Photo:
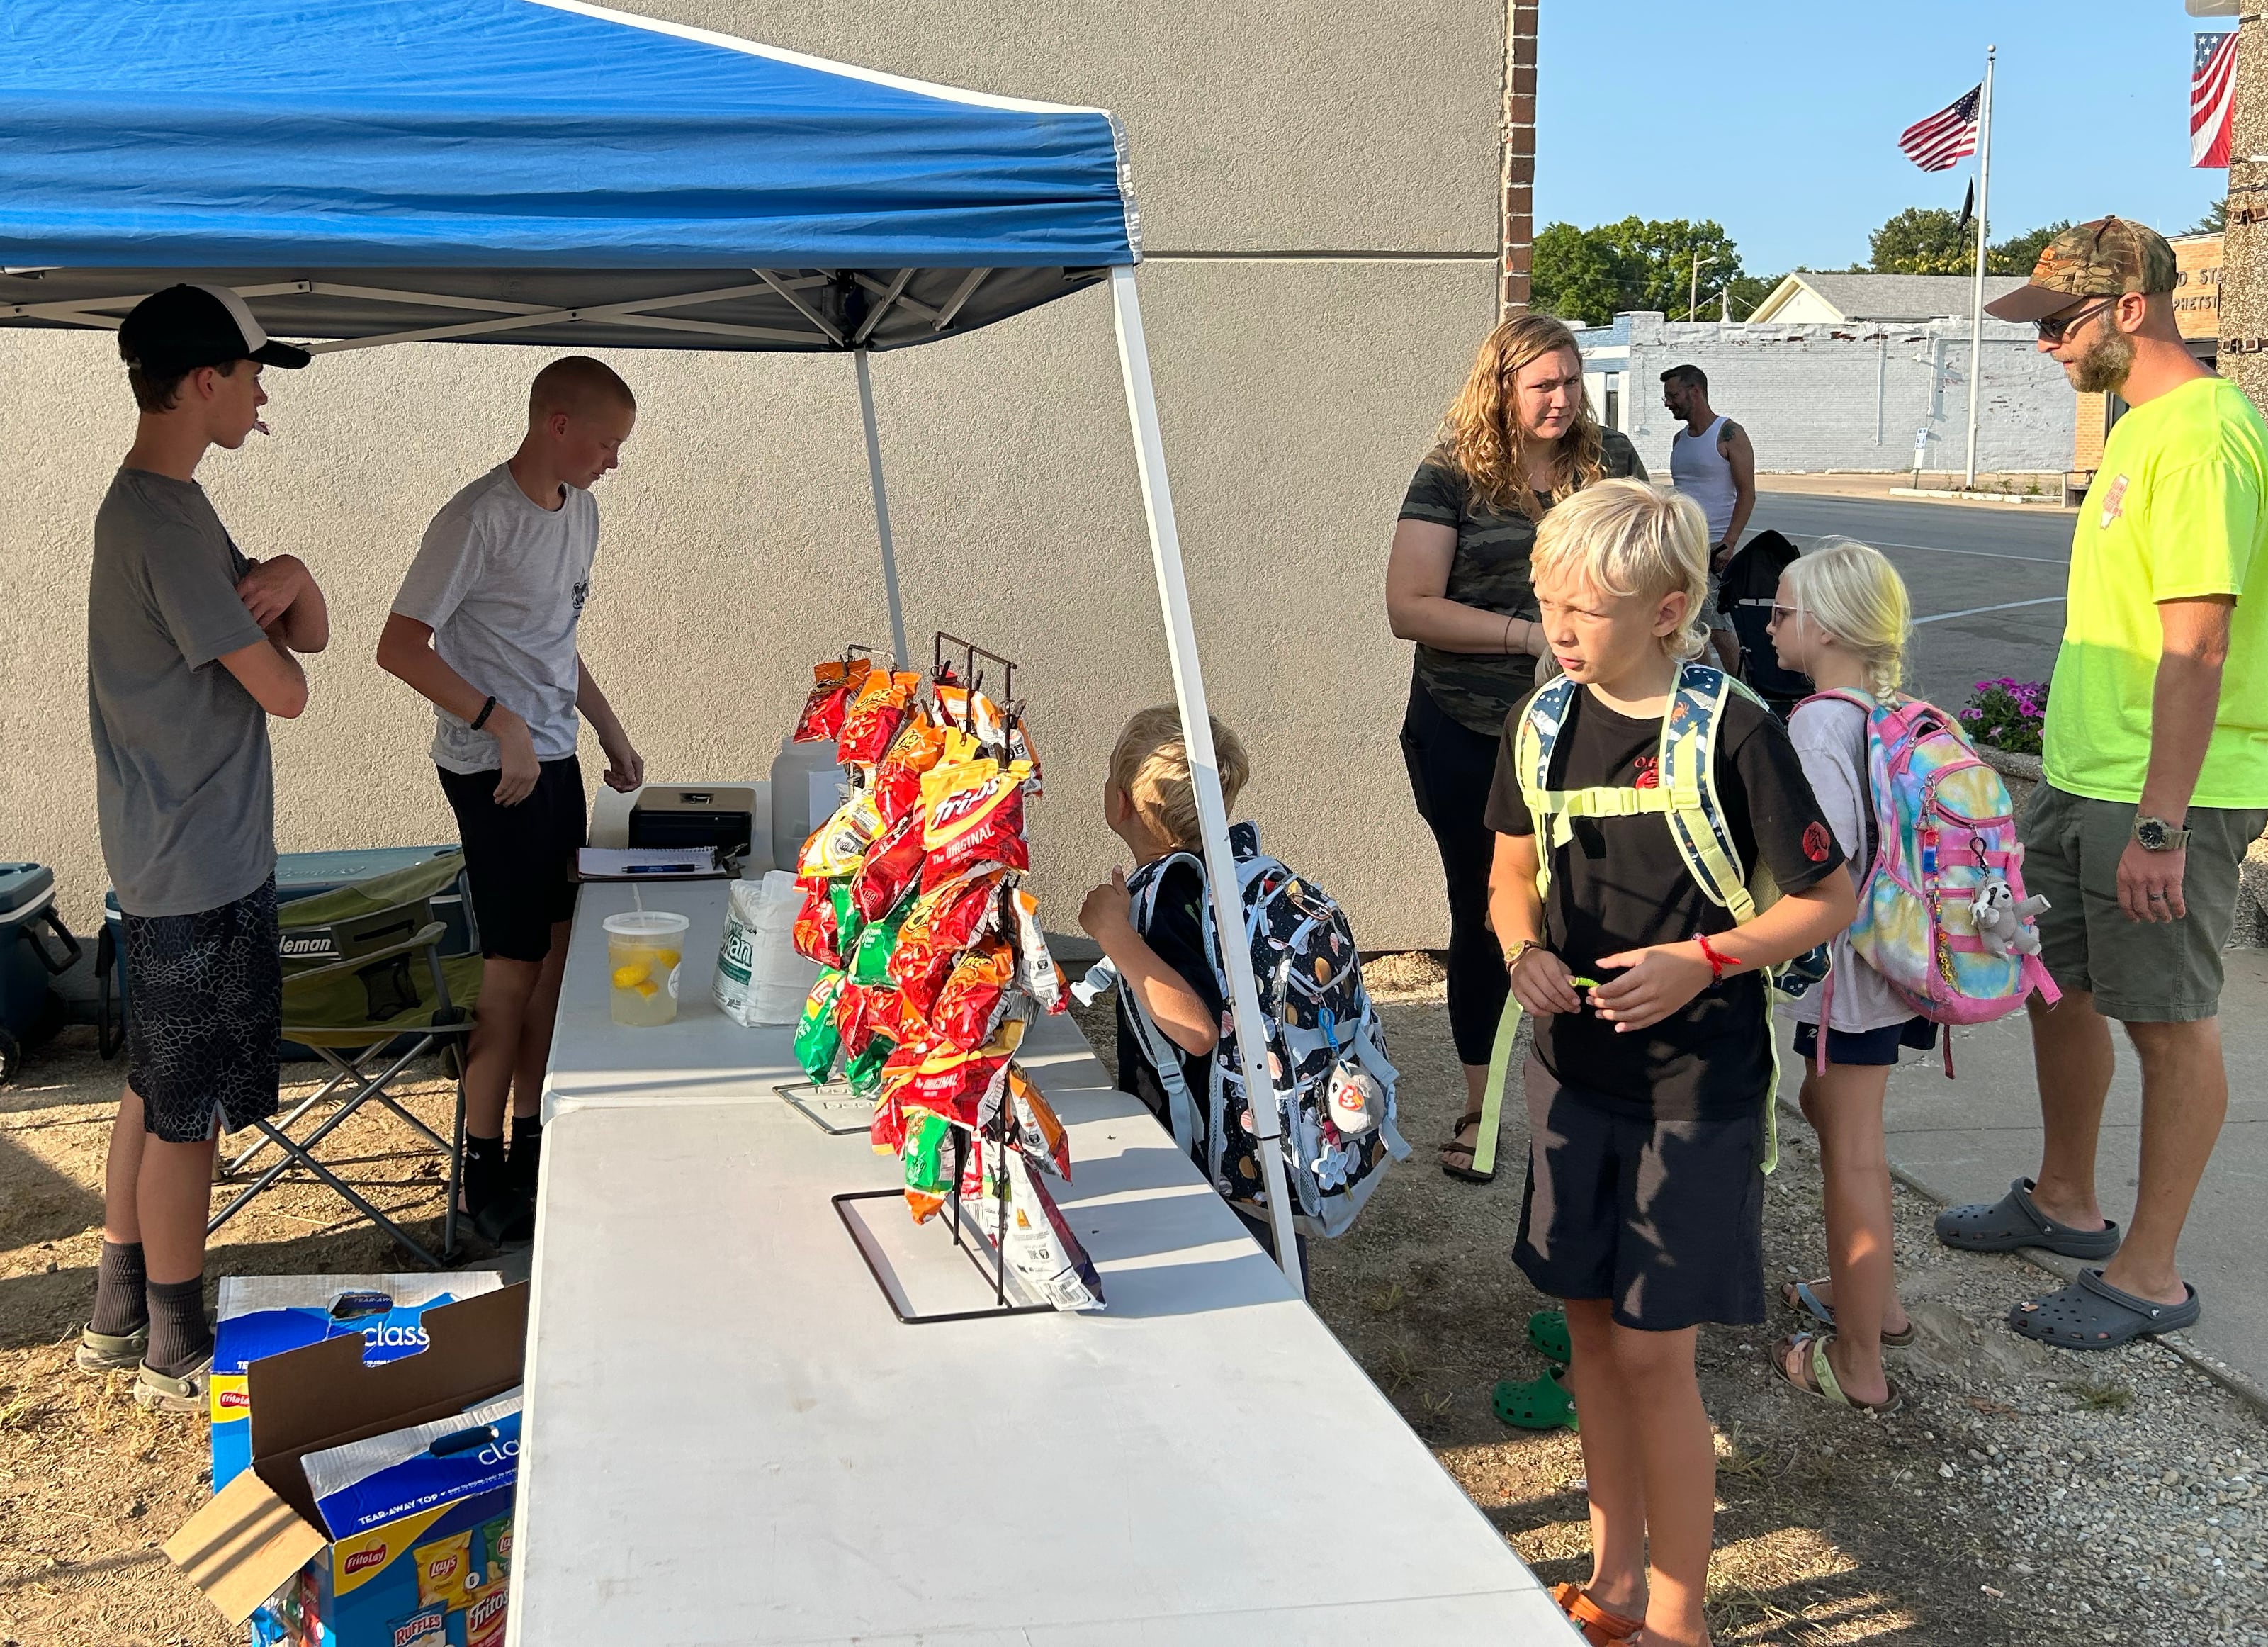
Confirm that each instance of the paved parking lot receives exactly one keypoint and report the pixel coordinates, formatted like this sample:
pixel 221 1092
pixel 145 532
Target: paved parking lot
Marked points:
pixel 1987 581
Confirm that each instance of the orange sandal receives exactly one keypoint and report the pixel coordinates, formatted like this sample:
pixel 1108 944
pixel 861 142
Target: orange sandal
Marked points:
pixel 1599 1626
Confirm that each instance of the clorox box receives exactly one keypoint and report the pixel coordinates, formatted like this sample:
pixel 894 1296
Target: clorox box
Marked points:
pixel 266 1315
pixel 377 1509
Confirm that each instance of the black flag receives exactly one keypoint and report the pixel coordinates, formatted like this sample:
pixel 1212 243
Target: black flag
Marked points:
pixel 1968 205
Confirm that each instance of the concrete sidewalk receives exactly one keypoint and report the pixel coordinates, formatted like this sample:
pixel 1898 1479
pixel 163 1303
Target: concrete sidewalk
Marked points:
pixel 1963 1140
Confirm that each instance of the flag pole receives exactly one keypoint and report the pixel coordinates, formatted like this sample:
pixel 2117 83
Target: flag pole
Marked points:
pixel 1976 302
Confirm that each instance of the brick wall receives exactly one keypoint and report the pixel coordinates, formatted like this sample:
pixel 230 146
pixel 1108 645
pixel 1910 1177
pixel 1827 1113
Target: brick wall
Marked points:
pixel 1519 152
pixel 1808 395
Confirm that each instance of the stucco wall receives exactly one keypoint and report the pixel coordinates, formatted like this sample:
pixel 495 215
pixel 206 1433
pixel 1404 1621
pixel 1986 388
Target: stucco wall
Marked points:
pixel 1290 160
pixel 1808 395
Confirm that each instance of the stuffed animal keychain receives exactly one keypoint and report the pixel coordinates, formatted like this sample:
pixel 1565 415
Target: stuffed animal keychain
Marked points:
pixel 2002 922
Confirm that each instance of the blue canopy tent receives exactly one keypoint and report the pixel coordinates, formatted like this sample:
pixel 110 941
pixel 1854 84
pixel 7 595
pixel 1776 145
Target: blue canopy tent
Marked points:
pixel 370 172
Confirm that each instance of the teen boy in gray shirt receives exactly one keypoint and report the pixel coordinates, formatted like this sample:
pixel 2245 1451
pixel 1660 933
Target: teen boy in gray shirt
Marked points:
pixel 484 628
pixel 189 650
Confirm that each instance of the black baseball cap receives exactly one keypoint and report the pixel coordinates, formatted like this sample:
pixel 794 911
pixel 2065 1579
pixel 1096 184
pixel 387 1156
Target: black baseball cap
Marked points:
pixel 185 327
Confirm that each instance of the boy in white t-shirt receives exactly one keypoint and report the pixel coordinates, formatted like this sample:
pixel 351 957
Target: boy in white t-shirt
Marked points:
pixel 484 628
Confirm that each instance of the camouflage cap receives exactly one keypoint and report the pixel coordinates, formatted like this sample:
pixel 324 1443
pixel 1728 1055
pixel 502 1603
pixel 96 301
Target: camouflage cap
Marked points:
pixel 2102 259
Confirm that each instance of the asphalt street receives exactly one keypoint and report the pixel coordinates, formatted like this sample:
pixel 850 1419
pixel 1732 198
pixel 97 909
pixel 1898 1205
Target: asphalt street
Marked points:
pixel 1987 580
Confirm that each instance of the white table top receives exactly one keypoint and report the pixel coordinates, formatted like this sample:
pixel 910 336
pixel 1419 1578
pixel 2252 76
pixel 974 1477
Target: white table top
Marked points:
pixel 732 1438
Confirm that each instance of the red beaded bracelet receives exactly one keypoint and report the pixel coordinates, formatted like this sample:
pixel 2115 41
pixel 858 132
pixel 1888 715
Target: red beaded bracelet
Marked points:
pixel 1717 961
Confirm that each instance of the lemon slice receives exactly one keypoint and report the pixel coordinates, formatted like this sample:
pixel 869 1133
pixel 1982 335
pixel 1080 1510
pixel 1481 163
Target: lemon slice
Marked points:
pixel 630 977
pixel 647 988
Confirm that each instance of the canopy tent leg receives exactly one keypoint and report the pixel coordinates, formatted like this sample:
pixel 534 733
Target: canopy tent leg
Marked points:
pixel 882 512
pixel 1204 771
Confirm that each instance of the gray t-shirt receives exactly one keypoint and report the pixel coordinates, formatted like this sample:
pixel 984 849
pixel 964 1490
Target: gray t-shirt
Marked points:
pixel 1830 741
pixel 501 581
pixel 184 790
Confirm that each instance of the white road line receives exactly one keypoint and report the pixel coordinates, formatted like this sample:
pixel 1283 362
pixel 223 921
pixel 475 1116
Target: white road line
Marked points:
pixel 1981 554
pixel 2005 606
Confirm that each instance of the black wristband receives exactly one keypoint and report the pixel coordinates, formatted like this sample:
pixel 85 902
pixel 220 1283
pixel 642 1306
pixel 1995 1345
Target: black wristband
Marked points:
pixel 482 719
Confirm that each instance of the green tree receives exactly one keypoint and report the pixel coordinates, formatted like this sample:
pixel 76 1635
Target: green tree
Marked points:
pixel 2017 254
pixel 1592 274
pixel 1923 241
pixel 1577 275
pixel 2215 220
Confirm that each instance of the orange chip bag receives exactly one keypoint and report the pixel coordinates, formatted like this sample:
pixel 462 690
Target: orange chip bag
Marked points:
pixel 834 683
pixel 974 997
pixel 873 719
pixel 974 815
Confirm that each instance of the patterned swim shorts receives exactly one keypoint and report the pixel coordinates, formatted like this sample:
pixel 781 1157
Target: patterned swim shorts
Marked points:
pixel 207 1013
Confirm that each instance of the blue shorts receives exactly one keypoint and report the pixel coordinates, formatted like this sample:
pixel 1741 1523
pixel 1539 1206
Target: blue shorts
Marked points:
pixel 1865 1047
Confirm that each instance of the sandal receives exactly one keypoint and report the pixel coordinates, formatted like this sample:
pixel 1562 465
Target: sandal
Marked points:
pixel 100 1352
pixel 1455 1145
pixel 1540 1403
pixel 2093 1314
pixel 2014 1222
pixel 1800 1295
pixel 1595 1625
pixel 1547 1330
pixel 1817 1377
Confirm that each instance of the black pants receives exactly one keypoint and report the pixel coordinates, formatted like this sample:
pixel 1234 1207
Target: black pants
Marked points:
pixel 1451 770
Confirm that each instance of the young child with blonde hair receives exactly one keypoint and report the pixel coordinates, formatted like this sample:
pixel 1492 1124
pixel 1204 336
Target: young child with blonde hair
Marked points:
pixel 1647 1089
pixel 1842 618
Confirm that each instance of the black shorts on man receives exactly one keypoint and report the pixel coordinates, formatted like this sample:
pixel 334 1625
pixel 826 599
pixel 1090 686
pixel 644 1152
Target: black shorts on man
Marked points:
pixel 520 860
pixel 207 1015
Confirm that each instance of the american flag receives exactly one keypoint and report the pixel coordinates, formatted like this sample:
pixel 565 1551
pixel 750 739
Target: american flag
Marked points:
pixel 2213 99
pixel 1950 135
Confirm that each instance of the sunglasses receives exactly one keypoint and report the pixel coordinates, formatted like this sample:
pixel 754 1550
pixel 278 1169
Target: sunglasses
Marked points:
pixel 2056 327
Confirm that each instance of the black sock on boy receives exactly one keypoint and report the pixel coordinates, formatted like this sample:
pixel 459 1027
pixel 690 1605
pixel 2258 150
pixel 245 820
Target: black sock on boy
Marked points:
pixel 484 1170
pixel 526 1151
pixel 120 1307
pixel 180 1336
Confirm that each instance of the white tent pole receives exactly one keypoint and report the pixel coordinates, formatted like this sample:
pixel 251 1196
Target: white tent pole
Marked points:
pixel 1197 735
pixel 881 510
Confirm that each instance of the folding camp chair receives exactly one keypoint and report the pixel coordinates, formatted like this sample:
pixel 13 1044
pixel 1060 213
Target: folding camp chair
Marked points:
pixel 364 985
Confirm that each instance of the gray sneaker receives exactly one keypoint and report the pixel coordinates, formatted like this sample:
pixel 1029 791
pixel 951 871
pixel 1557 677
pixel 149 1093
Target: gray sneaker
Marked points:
pixel 168 1394
pixel 104 1352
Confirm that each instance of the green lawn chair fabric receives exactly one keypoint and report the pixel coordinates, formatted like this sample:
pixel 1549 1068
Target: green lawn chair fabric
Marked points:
pixel 390 890
pixel 335 1009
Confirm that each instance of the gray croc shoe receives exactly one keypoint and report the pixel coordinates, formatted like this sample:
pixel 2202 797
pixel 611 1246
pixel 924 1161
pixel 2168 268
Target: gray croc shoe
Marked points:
pixel 2093 1314
pixel 104 1352
pixel 169 1394
pixel 2014 1222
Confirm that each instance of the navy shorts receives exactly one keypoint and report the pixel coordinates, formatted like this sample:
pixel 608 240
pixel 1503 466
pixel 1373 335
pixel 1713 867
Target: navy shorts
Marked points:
pixel 207 1014
pixel 520 860
pixel 1663 1219
pixel 1865 1047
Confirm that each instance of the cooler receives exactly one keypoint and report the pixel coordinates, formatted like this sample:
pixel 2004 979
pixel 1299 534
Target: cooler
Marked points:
pixel 29 958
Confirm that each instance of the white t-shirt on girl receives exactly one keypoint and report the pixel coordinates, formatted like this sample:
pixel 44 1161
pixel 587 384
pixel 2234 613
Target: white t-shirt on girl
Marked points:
pixel 1830 741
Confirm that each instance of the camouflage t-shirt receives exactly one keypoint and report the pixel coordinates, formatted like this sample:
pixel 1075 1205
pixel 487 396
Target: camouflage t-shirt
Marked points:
pixel 1490 572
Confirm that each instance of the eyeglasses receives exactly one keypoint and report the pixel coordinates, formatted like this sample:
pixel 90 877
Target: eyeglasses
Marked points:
pixel 2055 329
pixel 1786 614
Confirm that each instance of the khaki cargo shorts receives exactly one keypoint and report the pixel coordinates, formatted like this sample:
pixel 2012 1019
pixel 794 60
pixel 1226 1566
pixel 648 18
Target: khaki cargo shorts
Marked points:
pixel 2138 972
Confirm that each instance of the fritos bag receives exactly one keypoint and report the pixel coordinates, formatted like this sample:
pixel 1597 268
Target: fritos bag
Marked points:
pixel 892 866
pixel 834 683
pixel 975 814
pixel 873 717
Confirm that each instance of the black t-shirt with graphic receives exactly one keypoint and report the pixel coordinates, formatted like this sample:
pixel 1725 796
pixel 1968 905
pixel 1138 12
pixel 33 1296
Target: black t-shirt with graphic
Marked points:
pixel 1620 883
pixel 1177 933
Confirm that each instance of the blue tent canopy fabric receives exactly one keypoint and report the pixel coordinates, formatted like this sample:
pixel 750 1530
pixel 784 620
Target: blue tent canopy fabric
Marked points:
pixel 515 159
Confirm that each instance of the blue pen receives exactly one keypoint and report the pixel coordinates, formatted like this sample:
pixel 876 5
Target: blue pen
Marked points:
pixel 659 868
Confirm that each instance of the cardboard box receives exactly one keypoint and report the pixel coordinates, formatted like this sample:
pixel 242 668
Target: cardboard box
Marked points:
pixel 261 1548
pixel 266 1315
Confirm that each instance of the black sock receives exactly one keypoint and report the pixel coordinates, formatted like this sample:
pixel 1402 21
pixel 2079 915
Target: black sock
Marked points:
pixel 483 1170
pixel 180 1336
pixel 526 1151
pixel 120 1308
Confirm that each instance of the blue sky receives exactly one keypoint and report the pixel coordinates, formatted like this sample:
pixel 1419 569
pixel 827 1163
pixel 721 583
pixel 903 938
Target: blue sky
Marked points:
pixel 1780 119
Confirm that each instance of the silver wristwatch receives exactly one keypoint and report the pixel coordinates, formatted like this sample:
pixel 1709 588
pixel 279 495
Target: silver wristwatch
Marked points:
pixel 2157 835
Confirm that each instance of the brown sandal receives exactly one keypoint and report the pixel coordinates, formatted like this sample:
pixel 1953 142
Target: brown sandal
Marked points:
pixel 1598 1627
pixel 1454 1145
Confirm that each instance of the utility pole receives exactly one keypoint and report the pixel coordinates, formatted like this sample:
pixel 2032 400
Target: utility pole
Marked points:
pixel 1976 304
pixel 1693 287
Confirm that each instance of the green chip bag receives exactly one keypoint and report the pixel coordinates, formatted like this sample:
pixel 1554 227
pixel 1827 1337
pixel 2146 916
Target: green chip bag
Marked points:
pixel 817 1040
pixel 870 963
pixel 848 925
pixel 928 1161
pixel 865 1072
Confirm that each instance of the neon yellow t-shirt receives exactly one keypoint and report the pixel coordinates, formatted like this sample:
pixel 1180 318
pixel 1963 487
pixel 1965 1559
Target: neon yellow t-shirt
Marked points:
pixel 2179 509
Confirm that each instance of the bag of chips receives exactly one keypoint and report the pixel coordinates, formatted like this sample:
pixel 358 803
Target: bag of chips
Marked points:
pixel 974 815
pixel 1020 749
pixel 918 747
pixel 945 921
pixel 838 846
pixel 892 867
pixel 928 1156
pixel 1033 1122
pixel 877 941
pixel 834 683
pixel 817 1041
pixel 863 1072
pixel 1037 975
pixel 818 924
pixel 974 997
pixel 886 1132
pixel 873 716
pixel 1042 1249
pixel 945 1080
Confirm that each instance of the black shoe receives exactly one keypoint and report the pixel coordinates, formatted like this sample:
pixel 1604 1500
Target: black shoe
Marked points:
pixel 507 1218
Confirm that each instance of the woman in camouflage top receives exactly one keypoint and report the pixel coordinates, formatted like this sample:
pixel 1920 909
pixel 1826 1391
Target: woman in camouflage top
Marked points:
pixel 1518 439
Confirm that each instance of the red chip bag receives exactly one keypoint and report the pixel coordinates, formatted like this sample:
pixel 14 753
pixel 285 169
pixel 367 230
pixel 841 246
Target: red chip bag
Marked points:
pixel 919 744
pixel 817 936
pixel 886 1132
pixel 873 717
pixel 892 864
pixel 834 683
pixel 947 1081
pixel 974 996
pixel 975 814
pixel 945 921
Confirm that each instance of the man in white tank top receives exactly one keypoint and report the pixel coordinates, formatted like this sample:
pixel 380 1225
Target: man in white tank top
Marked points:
pixel 1711 463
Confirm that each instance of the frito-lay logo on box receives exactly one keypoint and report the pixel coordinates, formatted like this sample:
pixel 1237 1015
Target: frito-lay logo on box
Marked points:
pixel 235 1401
pixel 374 1556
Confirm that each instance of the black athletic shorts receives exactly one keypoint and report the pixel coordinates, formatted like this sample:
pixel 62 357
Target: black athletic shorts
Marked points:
pixel 1664 1219
pixel 520 860
pixel 1865 1047
pixel 207 1012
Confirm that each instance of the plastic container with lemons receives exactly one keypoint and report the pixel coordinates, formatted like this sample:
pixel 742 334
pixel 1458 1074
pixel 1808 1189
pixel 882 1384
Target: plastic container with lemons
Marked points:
pixel 644 948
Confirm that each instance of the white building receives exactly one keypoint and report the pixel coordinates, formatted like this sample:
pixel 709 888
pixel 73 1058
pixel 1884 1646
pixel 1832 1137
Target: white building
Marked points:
pixel 1809 298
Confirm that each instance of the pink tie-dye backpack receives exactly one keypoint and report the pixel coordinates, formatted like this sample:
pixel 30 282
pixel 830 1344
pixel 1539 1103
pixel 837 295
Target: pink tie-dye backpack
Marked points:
pixel 1945 849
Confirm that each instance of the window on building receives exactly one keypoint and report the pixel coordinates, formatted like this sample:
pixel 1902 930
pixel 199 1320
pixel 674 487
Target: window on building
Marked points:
pixel 1611 414
pixel 2113 410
